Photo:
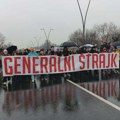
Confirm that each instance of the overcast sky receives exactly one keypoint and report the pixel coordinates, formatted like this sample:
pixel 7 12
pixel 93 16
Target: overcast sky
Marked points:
pixel 22 20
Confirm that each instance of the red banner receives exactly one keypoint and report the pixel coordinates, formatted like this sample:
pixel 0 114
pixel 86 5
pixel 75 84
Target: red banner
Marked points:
pixel 25 65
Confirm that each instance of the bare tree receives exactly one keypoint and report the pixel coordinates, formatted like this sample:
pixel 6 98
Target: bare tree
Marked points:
pixel 91 37
pixel 2 40
pixel 7 45
pixel 47 45
pixel 107 32
pixel 77 37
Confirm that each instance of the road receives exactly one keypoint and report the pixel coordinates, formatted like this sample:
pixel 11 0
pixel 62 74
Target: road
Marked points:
pixel 57 102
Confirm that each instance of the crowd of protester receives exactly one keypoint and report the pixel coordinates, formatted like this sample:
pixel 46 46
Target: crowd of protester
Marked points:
pixel 80 76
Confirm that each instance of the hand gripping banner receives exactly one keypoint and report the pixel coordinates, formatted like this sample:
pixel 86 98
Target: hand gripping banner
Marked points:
pixel 25 65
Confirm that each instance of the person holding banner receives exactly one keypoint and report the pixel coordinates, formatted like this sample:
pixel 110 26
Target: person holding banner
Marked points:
pixel 43 78
pixel 31 54
pixel 5 79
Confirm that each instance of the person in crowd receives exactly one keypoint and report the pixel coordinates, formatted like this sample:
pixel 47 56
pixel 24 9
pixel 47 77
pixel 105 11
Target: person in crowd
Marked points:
pixel 22 52
pixel 66 52
pixel 70 50
pixel 31 54
pixel 58 52
pixel 18 52
pixel 5 79
pixel 104 50
pixel 26 52
pixel 52 52
pixel 5 52
pixel 42 52
pixel 47 52
pixel 14 53
pixel 94 50
pixel 74 51
pixel 43 78
pixel 82 50
pixel 52 77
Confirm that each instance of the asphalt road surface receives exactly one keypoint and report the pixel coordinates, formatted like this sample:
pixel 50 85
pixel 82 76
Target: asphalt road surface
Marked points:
pixel 58 102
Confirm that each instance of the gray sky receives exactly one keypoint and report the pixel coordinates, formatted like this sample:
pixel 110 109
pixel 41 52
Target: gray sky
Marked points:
pixel 21 20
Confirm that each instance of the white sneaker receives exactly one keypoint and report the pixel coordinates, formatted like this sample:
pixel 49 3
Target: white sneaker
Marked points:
pixel 33 80
pixel 5 84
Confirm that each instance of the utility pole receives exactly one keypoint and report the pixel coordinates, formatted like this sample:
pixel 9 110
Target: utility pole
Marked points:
pixel 47 36
pixel 84 18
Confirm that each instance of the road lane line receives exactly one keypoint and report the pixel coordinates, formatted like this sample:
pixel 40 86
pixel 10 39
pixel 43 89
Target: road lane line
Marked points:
pixel 96 96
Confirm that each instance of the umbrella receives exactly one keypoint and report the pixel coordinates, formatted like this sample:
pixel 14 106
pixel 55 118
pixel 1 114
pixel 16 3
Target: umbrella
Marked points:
pixel 68 44
pixel 116 43
pixel 88 45
pixel 11 49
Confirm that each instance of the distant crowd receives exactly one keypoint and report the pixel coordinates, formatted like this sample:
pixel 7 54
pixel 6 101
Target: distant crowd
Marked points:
pixel 65 51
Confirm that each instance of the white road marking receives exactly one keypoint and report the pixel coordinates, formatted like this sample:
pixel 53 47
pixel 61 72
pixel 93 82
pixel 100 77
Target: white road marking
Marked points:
pixel 98 97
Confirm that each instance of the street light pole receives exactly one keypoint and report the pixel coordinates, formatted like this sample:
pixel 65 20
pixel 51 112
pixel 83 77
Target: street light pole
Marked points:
pixel 47 36
pixel 84 19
